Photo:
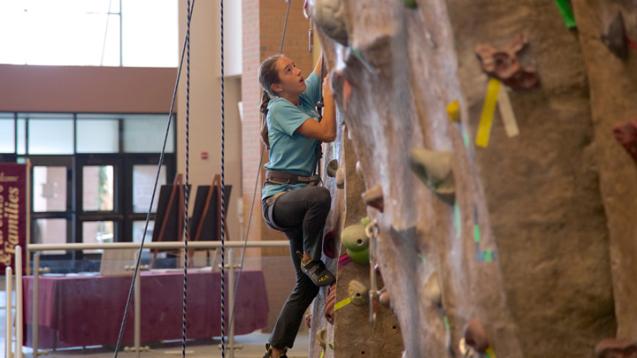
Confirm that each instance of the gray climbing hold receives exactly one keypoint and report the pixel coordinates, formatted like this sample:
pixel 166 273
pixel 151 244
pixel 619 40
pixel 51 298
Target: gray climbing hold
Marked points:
pixel 374 197
pixel 358 292
pixel 340 178
pixel 321 338
pixel 331 17
pixel 332 167
pixel 384 297
pixel 432 291
pixel 615 37
pixel 359 168
pixel 433 168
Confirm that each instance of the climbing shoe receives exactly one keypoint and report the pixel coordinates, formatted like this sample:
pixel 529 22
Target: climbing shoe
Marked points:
pixel 268 352
pixel 317 272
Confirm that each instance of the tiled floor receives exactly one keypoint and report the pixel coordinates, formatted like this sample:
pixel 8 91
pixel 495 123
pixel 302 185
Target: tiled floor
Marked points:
pixel 252 347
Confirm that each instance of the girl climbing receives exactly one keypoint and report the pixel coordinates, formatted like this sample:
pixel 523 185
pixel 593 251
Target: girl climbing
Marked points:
pixel 292 200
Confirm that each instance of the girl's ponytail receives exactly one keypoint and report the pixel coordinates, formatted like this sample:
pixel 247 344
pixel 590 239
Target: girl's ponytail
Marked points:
pixel 265 99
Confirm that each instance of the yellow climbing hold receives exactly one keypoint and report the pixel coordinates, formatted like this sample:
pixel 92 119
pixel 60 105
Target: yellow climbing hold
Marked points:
pixel 490 352
pixel 453 111
pixel 342 303
pixel 488 111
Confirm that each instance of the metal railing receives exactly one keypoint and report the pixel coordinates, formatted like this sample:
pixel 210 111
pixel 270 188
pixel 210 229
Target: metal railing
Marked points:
pixel 231 266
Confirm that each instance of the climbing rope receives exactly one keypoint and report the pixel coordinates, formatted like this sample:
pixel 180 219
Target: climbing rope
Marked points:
pixel 152 198
pixel 184 303
pixel 256 181
pixel 223 199
pixel 185 52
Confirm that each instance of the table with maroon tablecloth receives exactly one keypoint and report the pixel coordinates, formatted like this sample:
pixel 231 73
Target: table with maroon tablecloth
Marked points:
pixel 87 310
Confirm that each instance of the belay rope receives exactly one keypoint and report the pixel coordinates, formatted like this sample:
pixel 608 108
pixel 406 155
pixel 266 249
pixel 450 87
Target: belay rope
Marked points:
pixel 184 305
pixel 223 199
pixel 256 180
pixel 171 110
pixel 185 53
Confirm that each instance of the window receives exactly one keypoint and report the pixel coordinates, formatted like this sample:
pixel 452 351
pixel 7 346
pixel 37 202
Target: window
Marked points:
pixel 49 188
pixel 92 174
pixel 89 32
pixel 50 134
pixel 97 135
pixel 138 231
pixel 143 134
pixel 97 188
pixel 49 231
pixel 97 232
pixel 143 184
pixel 7 133
pixel 21 136
pixel 64 134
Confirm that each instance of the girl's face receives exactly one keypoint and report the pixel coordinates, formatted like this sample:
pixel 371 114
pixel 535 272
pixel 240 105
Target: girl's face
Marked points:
pixel 291 79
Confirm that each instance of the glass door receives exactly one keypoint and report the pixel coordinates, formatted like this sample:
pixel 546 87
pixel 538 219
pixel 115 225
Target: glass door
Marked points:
pixel 99 191
pixel 51 205
pixel 141 171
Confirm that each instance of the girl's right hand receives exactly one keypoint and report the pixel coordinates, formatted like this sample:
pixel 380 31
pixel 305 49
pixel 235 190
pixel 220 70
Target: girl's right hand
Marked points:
pixel 327 86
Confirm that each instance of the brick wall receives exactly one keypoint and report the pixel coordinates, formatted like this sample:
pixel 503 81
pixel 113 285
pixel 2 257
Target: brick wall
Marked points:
pixel 262 28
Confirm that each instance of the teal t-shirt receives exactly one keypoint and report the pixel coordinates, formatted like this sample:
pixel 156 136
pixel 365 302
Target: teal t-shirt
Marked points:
pixel 291 151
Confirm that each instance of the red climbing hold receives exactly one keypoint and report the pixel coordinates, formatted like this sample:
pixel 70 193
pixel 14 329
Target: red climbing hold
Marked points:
pixel 476 336
pixel 626 135
pixel 616 348
pixel 505 65
pixel 329 244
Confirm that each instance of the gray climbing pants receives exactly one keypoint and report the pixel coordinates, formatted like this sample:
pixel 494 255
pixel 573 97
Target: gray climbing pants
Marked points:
pixel 300 214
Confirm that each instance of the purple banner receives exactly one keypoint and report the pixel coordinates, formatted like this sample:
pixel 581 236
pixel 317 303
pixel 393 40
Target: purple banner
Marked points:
pixel 13 212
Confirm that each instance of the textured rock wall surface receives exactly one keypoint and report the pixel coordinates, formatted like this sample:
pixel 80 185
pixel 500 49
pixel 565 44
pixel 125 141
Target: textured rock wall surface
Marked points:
pixel 539 240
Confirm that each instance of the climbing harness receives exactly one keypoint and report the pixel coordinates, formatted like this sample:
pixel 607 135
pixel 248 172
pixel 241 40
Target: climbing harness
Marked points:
pixel 283 177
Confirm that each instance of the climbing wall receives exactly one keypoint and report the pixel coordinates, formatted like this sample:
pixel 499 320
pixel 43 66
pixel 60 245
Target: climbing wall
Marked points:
pixel 483 137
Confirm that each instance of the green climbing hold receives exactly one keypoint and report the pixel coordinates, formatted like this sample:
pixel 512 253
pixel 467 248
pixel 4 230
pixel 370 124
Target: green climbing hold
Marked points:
pixel 487 255
pixel 412 4
pixel 566 10
pixel 358 292
pixel 360 257
pixel 365 221
pixel 476 233
pixel 354 238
